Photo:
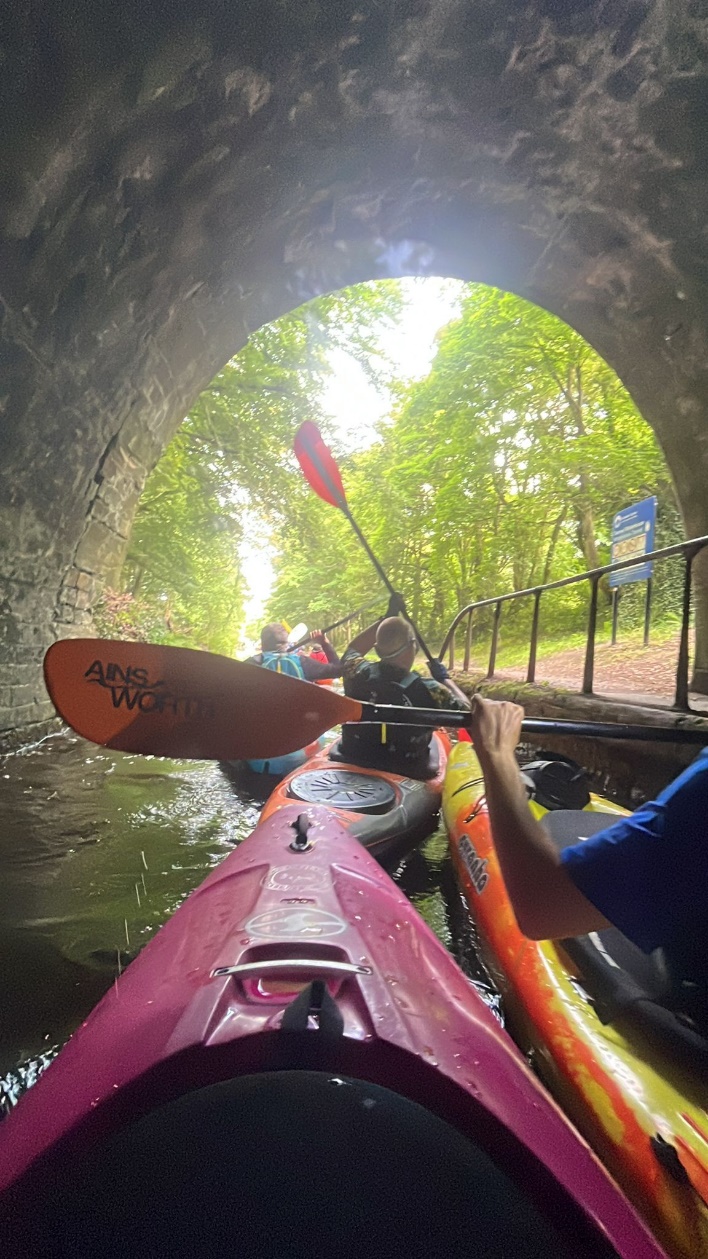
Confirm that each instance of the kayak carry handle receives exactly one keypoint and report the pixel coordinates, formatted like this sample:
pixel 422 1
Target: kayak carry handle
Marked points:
pixel 279 966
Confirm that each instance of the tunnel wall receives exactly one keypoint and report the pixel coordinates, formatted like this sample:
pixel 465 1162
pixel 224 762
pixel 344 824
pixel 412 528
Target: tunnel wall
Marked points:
pixel 173 176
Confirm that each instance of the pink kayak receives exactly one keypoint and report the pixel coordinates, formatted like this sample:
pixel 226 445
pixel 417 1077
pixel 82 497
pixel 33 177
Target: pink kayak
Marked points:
pixel 295 1066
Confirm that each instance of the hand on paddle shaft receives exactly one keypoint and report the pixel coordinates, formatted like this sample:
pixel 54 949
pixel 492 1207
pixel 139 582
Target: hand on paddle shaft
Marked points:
pixel 323 476
pixel 172 701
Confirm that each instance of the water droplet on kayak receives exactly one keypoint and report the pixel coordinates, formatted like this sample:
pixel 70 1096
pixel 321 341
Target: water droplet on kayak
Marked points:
pixel 357 917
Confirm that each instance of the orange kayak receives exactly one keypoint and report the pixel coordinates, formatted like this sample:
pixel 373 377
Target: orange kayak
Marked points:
pixel 640 1105
pixel 388 813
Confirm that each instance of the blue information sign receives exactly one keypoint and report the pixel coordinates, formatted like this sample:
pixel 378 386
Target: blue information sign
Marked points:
pixel 633 535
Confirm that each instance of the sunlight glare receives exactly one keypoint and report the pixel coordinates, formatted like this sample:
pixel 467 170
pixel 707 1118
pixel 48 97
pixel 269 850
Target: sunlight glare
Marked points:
pixel 357 406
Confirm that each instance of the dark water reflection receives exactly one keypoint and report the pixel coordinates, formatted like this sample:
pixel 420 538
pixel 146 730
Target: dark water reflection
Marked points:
pixel 97 849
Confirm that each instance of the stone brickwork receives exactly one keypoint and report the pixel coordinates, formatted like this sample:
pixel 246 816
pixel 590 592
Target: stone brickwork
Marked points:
pixel 172 176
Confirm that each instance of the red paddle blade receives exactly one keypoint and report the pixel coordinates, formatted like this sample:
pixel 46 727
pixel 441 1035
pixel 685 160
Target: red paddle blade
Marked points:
pixel 172 701
pixel 318 466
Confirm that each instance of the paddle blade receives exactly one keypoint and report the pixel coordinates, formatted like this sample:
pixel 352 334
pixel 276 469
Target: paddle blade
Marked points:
pixel 172 701
pixel 298 635
pixel 318 466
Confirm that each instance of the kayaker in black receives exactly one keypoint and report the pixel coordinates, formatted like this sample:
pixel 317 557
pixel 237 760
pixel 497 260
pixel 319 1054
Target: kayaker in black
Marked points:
pixel 274 638
pixel 646 874
pixel 393 680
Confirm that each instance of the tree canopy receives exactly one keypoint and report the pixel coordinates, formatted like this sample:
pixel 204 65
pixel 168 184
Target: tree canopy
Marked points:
pixel 231 463
pixel 501 468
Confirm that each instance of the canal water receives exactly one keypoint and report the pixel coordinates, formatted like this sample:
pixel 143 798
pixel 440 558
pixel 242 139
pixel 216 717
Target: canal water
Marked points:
pixel 97 849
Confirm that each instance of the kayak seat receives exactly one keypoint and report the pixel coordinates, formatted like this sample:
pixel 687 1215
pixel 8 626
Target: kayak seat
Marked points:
pixel 343 789
pixel 431 769
pixel 557 782
pixel 297 1164
pixel 622 980
pixel 566 827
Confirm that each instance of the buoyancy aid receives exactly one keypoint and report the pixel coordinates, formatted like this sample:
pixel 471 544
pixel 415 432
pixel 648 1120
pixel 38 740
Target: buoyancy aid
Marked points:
pixel 283 662
pixel 406 745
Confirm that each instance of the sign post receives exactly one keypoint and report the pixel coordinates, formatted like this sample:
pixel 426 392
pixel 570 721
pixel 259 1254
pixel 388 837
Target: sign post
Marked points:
pixel 633 535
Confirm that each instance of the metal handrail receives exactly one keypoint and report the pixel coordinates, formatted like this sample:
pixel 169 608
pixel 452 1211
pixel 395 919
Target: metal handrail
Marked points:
pixel 688 549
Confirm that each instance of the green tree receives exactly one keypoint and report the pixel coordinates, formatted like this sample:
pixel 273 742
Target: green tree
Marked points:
pixel 232 457
pixel 501 469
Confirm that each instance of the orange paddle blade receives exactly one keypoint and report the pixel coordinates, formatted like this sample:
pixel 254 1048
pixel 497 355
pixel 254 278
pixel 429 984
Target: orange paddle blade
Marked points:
pixel 172 701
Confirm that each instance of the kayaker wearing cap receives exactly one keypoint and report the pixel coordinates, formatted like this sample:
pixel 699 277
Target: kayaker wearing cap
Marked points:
pixel 274 640
pixel 393 680
pixel 646 874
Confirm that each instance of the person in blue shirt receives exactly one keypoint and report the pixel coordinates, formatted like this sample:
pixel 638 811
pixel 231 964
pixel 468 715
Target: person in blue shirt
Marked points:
pixel 646 874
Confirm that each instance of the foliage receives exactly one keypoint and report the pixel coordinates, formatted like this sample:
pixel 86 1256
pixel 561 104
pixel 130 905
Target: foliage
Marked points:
pixel 500 470
pixel 120 615
pixel 234 453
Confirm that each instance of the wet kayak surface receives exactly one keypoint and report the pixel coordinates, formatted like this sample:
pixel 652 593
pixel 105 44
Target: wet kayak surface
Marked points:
pixel 97 850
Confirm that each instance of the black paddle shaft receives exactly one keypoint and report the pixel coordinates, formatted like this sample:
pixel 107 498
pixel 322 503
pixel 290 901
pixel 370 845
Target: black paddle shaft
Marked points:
pixel 385 579
pixel 388 714
pixel 335 624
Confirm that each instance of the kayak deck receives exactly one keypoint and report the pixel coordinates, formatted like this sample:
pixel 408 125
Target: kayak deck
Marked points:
pixel 388 813
pixel 298 913
pixel 626 1097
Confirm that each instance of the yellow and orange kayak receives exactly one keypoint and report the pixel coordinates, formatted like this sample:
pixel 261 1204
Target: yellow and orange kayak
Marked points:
pixel 644 1114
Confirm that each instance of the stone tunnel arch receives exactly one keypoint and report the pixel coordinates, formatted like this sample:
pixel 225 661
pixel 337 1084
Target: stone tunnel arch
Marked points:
pixel 174 176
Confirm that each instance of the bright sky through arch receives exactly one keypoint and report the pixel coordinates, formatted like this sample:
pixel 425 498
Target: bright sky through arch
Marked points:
pixel 356 405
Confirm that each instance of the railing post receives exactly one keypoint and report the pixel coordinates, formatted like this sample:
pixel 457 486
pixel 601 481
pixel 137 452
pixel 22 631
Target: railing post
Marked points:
pixel 495 639
pixel 687 549
pixel 647 611
pixel 589 670
pixel 681 696
pixel 531 671
pixel 615 610
pixel 468 643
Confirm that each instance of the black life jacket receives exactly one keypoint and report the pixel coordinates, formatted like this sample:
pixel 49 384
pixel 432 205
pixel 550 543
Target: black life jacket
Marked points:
pixel 403 749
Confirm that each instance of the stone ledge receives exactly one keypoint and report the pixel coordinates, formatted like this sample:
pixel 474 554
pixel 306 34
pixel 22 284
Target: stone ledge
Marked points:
pixel 13 740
